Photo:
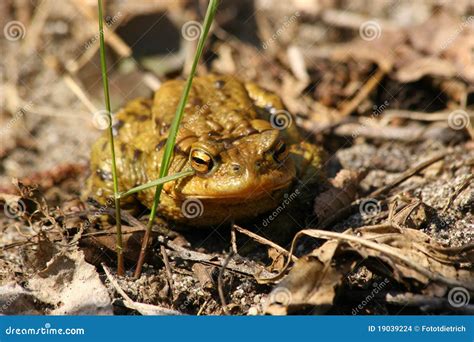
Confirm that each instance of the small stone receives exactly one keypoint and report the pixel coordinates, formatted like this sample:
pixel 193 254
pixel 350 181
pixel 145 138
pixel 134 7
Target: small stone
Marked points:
pixel 239 293
pixel 253 311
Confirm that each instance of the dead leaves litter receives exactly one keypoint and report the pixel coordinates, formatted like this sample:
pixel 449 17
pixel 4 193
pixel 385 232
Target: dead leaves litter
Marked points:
pixel 408 257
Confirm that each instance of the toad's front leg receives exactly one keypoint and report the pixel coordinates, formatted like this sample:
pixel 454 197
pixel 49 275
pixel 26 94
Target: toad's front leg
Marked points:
pixel 309 160
pixel 131 171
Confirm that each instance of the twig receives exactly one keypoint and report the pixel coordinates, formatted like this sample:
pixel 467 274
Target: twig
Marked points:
pixel 52 111
pixel 407 174
pixel 70 81
pixel 264 241
pixel 115 41
pixel 319 128
pixel 36 26
pixel 366 89
pixel 419 116
pixel 75 86
pixel 409 133
pixel 220 281
pixel 240 268
pixel 201 309
pixel 352 20
pixel 297 64
pixel 347 210
pixel 458 191
pixel 384 249
pixel 79 92
pixel 417 300
pixel 169 273
pixel 233 239
pixel 420 301
pixel 144 309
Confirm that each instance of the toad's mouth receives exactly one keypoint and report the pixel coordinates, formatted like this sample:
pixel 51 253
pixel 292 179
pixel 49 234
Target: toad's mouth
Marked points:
pixel 249 193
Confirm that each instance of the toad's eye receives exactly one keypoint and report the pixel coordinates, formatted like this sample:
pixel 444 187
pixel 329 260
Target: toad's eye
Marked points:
pixel 281 152
pixel 201 161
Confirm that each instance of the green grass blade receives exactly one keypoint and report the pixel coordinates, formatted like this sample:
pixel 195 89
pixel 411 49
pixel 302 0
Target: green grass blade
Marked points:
pixel 156 182
pixel 170 142
pixel 103 67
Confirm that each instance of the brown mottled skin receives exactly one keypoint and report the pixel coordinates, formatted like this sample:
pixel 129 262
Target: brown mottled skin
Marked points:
pixel 227 121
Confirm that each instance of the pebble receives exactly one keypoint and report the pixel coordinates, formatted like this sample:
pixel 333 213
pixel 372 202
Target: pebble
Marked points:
pixel 253 311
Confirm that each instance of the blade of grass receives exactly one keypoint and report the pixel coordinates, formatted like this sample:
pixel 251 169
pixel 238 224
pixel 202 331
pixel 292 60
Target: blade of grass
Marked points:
pixel 156 182
pixel 170 142
pixel 103 67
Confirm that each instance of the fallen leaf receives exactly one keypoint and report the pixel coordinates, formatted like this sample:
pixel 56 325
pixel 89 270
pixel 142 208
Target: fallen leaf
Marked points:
pixel 406 256
pixel 71 286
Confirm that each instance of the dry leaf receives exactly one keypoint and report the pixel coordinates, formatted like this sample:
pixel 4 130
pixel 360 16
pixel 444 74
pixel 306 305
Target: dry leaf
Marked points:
pixel 204 275
pixel 71 286
pixel 410 257
pixel 311 282
pixel 101 248
pixel 342 193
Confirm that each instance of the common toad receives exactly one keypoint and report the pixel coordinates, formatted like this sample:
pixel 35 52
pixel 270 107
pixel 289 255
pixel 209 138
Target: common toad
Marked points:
pixel 243 145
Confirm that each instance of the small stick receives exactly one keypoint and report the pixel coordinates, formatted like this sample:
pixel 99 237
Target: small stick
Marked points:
pixel 220 281
pixel 113 38
pixel 410 299
pixel 169 274
pixel 79 92
pixel 412 115
pixel 410 133
pixel 353 20
pixel 201 309
pixel 347 210
pixel 36 26
pixel 458 191
pixel 264 241
pixel 115 41
pixel 407 174
pixel 247 269
pixel 72 84
pixel 233 239
pixel 418 300
pixel 366 89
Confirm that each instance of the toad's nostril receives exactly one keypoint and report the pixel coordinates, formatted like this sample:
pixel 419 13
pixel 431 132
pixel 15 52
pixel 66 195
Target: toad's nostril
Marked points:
pixel 236 168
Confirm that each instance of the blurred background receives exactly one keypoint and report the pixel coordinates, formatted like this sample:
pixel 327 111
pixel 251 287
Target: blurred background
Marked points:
pixel 316 54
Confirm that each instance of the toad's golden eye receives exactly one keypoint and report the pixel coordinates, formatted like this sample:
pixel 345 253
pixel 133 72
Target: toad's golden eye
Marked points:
pixel 281 152
pixel 201 161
